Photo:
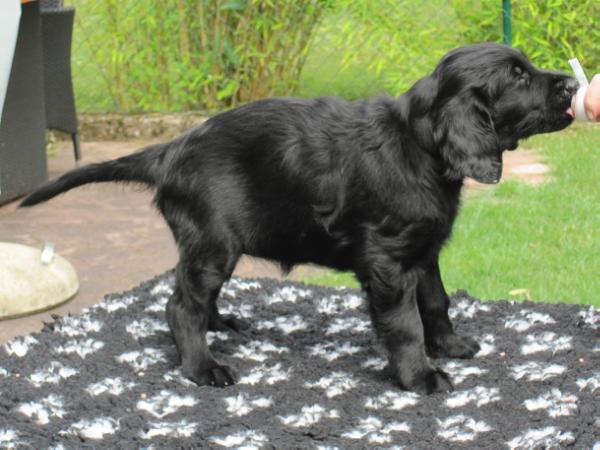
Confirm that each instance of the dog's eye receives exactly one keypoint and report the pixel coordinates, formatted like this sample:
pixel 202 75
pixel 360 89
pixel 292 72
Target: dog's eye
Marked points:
pixel 517 71
pixel 520 75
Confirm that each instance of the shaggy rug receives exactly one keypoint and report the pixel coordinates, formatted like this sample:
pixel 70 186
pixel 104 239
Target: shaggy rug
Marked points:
pixel 311 375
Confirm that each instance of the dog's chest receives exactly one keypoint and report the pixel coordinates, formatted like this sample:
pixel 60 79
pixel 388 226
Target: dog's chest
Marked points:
pixel 408 223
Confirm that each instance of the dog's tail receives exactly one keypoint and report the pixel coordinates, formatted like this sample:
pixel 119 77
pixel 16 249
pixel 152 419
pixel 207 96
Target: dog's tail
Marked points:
pixel 142 167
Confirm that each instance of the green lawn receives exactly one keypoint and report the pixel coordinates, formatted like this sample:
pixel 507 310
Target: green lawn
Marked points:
pixel 542 240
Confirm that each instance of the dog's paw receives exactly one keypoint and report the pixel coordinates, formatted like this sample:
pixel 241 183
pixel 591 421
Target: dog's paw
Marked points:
pixel 452 346
pixel 228 323
pixel 429 381
pixel 217 376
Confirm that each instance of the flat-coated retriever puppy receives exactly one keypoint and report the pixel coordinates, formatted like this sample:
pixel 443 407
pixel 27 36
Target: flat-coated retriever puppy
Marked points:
pixel 370 186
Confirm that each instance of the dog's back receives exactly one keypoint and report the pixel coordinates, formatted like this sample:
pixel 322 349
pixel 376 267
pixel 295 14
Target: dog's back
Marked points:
pixel 273 173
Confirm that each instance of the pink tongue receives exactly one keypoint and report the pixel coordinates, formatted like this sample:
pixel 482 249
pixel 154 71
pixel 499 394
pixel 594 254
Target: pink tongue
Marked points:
pixel 570 112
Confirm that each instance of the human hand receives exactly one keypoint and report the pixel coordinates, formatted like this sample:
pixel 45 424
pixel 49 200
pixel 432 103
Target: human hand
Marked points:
pixel 591 101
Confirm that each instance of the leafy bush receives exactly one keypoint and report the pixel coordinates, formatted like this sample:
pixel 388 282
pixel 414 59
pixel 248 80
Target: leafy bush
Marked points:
pixel 191 54
pixel 165 55
pixel 364 47
pixel 549 32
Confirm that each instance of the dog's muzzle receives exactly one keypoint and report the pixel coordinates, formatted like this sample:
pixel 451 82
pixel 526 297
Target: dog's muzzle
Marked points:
pixel 491 176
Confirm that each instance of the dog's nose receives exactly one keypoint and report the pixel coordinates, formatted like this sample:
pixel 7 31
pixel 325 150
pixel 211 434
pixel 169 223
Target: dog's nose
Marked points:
pixel 570 87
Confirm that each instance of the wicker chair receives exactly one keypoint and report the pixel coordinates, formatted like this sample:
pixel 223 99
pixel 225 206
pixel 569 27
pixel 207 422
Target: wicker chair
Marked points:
pixel 22 155
pixel 57 31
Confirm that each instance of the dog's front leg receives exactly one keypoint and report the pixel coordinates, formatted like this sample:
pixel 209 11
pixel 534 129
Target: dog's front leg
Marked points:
pixel 440 338
pixel 392 294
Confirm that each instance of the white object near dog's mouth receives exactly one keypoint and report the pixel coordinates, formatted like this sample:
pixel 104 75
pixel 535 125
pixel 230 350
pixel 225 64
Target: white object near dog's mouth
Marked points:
pixel 579 73
pixel 577 109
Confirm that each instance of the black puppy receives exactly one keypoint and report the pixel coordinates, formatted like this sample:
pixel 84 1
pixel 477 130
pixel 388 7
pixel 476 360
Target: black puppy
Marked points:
pixel 370 186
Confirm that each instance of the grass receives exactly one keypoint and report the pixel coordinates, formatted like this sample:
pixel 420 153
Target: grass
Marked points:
pixel 518 241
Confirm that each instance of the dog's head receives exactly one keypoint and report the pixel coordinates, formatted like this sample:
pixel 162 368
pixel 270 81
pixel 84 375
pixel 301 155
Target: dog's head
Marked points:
pixel 481 99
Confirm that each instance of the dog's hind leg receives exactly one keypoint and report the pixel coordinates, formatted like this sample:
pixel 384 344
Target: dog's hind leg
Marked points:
pixel 440 338
pixel 219 322
pixel 200 274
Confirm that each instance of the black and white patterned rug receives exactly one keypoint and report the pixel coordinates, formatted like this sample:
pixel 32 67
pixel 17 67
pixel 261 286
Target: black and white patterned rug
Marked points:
pixel 311 376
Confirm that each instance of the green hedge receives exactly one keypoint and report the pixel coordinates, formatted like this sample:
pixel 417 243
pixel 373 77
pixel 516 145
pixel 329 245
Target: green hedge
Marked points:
pixel 167 55
pixel 189 54
pixel 549 32
pixel 364 47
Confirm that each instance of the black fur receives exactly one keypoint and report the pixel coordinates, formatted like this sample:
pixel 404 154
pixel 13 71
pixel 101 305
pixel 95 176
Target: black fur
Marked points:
pixel 369 186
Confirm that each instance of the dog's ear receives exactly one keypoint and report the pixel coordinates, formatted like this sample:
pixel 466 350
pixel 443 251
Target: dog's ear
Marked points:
pixel 466 137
